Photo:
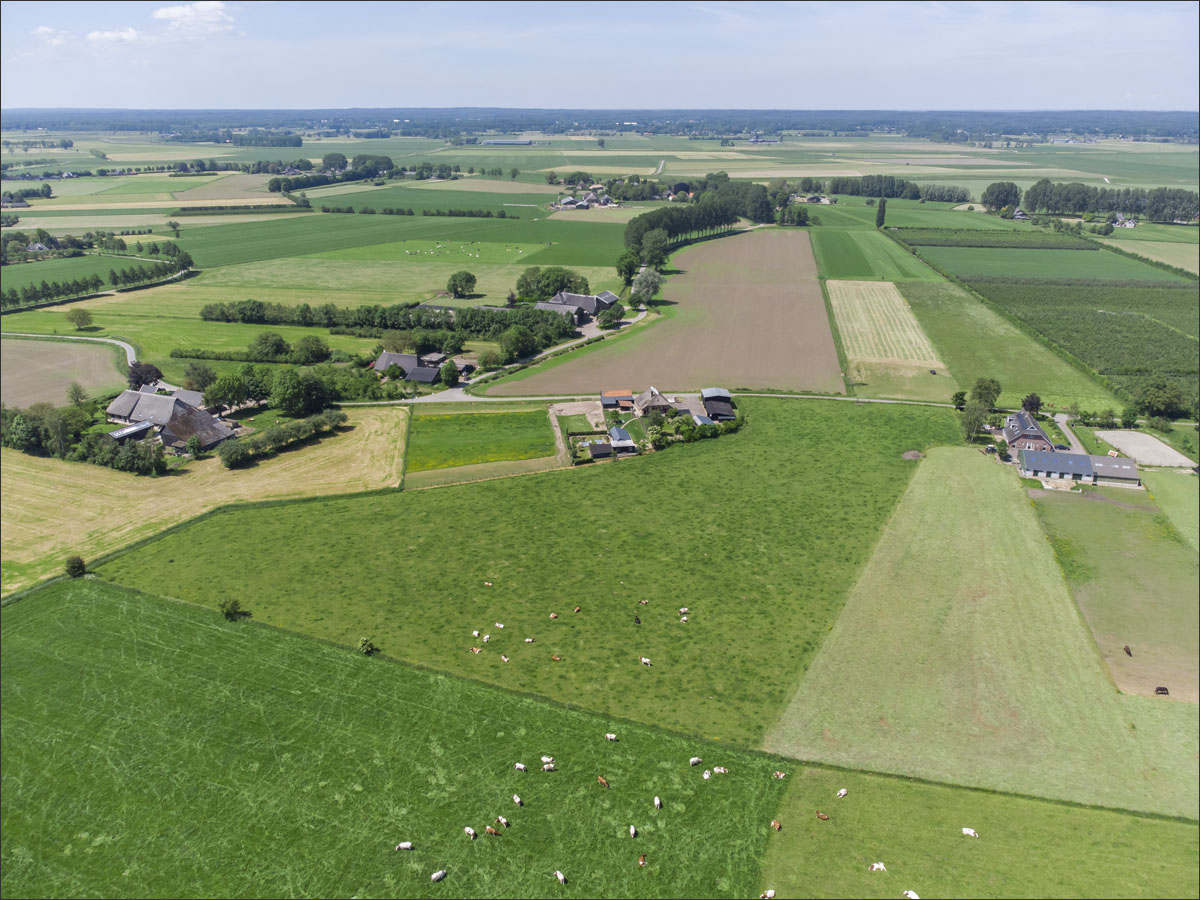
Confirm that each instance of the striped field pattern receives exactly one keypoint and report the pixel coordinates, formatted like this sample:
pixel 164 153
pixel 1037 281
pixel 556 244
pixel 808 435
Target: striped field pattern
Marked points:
pixel 877 325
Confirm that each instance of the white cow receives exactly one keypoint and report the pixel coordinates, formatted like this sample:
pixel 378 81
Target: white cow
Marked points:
pixel 695 761
pixel 911 895
pixel 562 879
pixel 520 767
pixel 877 867
pixel 657 803
pixel 632 831
pixel 547 759
pixel 475 633
pixel 486 638
pixel 517 800
pixel 720 770
pixel 842 793
pixel 469 832
pixel 768 894
pixel 971 832
pixel 499 624
pixel 645 660
pixel 707 774
pixel 610 737
pixel 438 875
pixel 548 767
pixel 529 640
pixel 404 845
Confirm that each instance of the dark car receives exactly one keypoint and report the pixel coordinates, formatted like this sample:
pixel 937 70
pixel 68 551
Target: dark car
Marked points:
pixel 1061 447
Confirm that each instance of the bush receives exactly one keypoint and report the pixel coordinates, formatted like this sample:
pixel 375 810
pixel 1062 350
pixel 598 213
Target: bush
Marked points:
pixel 75 567
pixel 231 609
pixel 367 647
pixel 234 454
pixel 1160 423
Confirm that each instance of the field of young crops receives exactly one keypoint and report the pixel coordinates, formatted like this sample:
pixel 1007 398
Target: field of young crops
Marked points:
pixel 866 255
pixel 985 263
pixel 1025 239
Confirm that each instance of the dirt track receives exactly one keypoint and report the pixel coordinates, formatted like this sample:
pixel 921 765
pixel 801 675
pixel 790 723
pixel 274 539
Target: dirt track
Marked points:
pixel 746 312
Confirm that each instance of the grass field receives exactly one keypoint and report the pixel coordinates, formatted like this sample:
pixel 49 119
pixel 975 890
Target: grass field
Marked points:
pixel 53 508
pixel 180 754
pixel 746 311
pixel 983 263
pixel 462 439
pixel 976 342
pixel 866 255
pixel 41 371
pixel 1178 495
pixel 916 830
pixel 960 657
pixel 69 269
pixel 1136 581
pixel 1173 253
pixel 758 603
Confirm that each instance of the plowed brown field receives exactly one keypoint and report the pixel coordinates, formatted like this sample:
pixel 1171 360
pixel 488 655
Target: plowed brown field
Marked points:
pixel 748 313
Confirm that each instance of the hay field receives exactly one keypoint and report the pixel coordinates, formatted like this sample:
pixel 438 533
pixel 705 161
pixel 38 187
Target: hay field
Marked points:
pixel 41 371
pixel 1178 495
pixel 960 657
pixel 485 186
pixel 462 439
pixel 745 310
pixel 1173 253
pixel 53 508
pixel 1136 582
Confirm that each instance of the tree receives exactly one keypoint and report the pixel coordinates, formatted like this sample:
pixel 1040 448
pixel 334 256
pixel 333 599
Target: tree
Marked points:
pixel 1000 194
pixel 600 143
pixel 233 454
pixel 986 391
pixel 655 244
pixel 80 318
pixel 310 350
pixel 1032 404
pixel 959 399
pixel 174 226
pixel 231 609
pixel 517 342
pixel 228 390
pixel 331 161
pixel 611 317
pixel 76 394
pixel 461 284
pixel 1129 417
pixel 449 374
pixel 1158 397
pixel 198 375
pixel 880 213
pixel 75 567
pixel 628 264
pixel 973 417
pixel 551 178
pixel 514 172
pixel 367 647
pixel 143 373
pixel 193 446
pixel 646 285
pixel 489 359
pixel 268 346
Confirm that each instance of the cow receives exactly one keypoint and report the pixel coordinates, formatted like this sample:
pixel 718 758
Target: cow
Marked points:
pixel 499 624
pixel 683 620
pixel 487 584
pixel 642 860
pixel 556 658
pixel 476 649
pixel 768 894
pixel 486 638
pixel 475 633
pixel 562 879
pixel 695 761
pixel 911 895
pixel 503 658
pixel 469 832
pixel 822 816
pixel 438 875
pixel 492 831
pixel 404 845
pixel 529 640
pixel 683 610
pixel 547 759
pixel 603 782
pixel 645 660
pixel 632 831
pixel 520 767
pixel 842 793
pixel 776 825
pixel 970 832
pixel 720 770
pixel 657 803
pixel 610 737
pixel 877 867
pixel 577 609
pixel 548 767
pixel 554 615
pixel 637 620
pixel 502 821
pixel 643 602
pixel 517 800
pixel 707 774
pixel 778 774
pixel 1128 652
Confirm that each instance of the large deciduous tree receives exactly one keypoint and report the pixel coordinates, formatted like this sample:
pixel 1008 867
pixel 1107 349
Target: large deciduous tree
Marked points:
pixel 1032 403
pixel 461 284
pixel 1000 194
pixel 80 318
pixel 986 391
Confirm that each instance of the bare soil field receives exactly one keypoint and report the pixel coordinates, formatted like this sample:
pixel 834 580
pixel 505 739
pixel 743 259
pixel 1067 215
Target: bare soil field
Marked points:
pixel 745 311
pixel 41 371
pixel 51 508
pixel 1145 448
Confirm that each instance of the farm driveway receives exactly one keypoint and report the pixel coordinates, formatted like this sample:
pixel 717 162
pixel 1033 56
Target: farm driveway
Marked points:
pixel 746 311
pixel 1145 448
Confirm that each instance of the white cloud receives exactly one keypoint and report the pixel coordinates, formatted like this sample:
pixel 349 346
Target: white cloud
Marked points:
pixel 126 34
pixel 52 37
pixel 196 19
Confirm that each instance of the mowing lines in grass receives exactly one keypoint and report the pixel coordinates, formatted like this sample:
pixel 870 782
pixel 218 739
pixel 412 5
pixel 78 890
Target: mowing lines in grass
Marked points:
pixel 41 371
pixel 462 439
pixel 877 325
pixel 181 755
pixel 960 657
pixel 1178 495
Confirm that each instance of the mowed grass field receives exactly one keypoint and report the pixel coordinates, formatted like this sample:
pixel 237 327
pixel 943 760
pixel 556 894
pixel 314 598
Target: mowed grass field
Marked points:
pixel 461 439
pixel 888 353
pixel 1178 495
pixel 972 263
pixel 41 371
pixel 746 312
pixel 1136 580
pixel 866 255
pixel 598 537
pixel 181 755
pixel 70 269
pixel 1173 253
pixel 50 509
pixel 977 342
pixel 960 657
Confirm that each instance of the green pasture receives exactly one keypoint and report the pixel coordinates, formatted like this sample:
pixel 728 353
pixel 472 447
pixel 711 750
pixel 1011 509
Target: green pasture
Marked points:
pixel 591 537
pixel 420 195
pixel 1178 495
pixel 1149 231
pixel 1136 580
pixel 181 755
pixel 1181 254
pixel 866 256
pixel 910 214
pixel 468 253
pixel 981 263
pixel 461 439
pixel 915 829
pixel 18 275
pixel 143 185
pixel 968 662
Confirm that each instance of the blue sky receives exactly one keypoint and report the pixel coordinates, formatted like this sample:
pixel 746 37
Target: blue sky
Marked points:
pixel 748 55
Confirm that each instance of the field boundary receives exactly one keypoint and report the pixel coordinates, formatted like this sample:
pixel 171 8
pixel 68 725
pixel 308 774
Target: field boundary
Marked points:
pixel 118 352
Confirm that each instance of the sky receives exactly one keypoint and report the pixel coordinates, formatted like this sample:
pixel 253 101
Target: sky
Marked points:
pixel 643 55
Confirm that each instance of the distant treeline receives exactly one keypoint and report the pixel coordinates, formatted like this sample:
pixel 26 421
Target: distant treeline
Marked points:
pixel 1159 204
pixel 235 210
pixel 255 137
pixel 448 123
pixel 389 211
pixel 37 143
pixel 889 187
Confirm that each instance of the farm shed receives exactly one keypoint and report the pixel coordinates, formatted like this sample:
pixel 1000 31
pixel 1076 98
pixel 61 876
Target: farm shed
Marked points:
pixel 175 419
pixel 600 450
pixel 1118 472
pixel 432 360
pixel 702 420
pixel 617 400
pixel 134 432
pixel 718 404
pixel 621 440
pixel 1023 432
pixel 564 309
pixel 593 305
pixel 651 401
pixel 405 361
pixel 423 375
pixel 191 398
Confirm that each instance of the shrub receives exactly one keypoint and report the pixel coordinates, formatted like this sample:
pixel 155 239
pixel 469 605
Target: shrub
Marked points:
pixel 75 567
pixel 231 609
pixel 1160 423
pixel 234 454
pixel 367 647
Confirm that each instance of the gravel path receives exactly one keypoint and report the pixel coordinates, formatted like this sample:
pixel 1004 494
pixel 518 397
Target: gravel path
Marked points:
pixel 130 353
pixel 1145 448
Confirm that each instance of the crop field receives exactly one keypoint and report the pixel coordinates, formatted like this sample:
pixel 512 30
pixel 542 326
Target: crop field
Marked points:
pixel 1149 606
pixel 916 830
pixel 1017 239
pixel 69 269
pixel 1173 253
pixel 746 311
pixel 888 355
pixel 1125 332
pixel 140 184
pixel 866 256
pixel 462 439
pixel 51 508
pixel 985 264
pixel 41 371
pixel 976 342
pixel 1178 495
pixel 520 559
pixel 1002 687
pixel 298 767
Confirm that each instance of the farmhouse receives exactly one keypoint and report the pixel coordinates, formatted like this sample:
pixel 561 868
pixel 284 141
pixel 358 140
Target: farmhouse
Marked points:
pixel 423 375
pixel 1023 432
pixel 651 401
pixel 421 369
pixel 1079 467
pixel 175 419
pixel 565 309
pixel 622 400
pixel 591 304
pixel 718 405
pixel 621 441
